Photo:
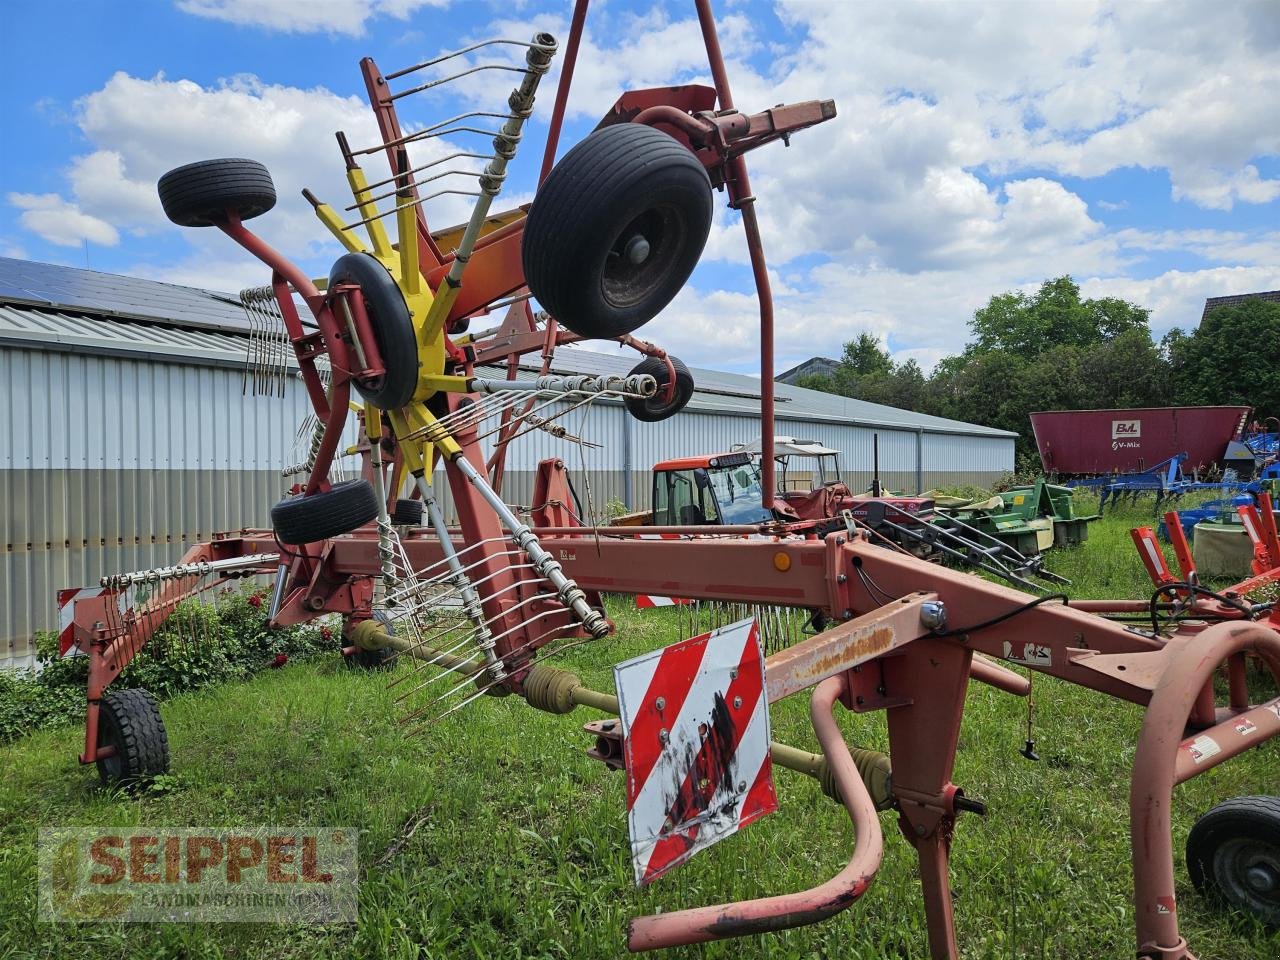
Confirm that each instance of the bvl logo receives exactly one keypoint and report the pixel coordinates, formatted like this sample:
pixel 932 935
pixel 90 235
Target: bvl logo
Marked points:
pixel 1126 429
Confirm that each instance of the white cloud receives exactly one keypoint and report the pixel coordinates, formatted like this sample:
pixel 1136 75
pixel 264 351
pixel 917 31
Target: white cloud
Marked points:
pixel 140 128
pixel 305 16
pixel 54 219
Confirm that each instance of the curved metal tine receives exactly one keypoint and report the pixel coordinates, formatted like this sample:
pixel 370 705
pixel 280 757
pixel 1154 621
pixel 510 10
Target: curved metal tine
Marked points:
pixel 470 626
pixel 487 665
pixel 581 403
pixel 504 553
pixel 466 549
pixel 495 42
pixel 456 76
pixel 485 689
pixel 489 406
pixel 482 690
pixel 502 660
pixel 426 166
pixel 549 401
pixel 437 176
pixel 411 203
pixel 484 623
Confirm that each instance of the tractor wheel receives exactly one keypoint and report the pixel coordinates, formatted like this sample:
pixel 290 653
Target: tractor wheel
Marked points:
pixel 129 721
pixel 340 509
pixel 616 229
pixel 407 513
pixel 655 408
pixel 392 328
pixel 1233 854
pixel 201 194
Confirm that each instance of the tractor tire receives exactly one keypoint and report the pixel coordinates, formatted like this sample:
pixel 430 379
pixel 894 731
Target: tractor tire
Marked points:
pixel 201 194
pixel 655 408
pixel 616 229
pixel 1233 856
pixel 407 513
pixel 392 329
pixel 340 509
pixel 129 721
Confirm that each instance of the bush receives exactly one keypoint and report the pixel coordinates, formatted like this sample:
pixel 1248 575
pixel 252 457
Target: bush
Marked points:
pixel 202 642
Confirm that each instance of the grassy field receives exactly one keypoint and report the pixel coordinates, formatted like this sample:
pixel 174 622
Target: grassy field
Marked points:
pixel 492 835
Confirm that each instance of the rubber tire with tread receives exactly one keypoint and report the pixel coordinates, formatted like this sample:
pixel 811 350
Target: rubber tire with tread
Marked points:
pixel 1252 819
pixel 129 720
pixel 200 194
pixel 652 409
pixel 340 509
pixel 407 513
pixel 392 328
pixel 601 187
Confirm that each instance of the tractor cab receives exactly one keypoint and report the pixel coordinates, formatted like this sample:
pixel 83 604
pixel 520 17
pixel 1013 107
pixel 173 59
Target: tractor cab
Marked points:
pixel 720 490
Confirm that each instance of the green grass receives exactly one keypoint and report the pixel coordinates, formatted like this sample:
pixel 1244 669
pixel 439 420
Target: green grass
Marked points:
pixel 518 841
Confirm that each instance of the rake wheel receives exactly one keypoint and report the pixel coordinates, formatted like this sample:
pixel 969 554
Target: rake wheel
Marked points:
pixel 201 194
pixel 129 722
pixel 340 509
pixel 392 328
pixel 616 229
pixel 1233 855
pixel 655 408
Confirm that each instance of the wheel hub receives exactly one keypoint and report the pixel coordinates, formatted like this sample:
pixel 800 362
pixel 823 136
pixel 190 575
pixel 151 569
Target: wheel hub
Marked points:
pixel 636 250
pixel 1262 878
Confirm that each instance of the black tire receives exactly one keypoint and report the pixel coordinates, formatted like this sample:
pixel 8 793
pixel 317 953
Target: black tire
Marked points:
pixel 129 721
pixel 1233 855
pixel 200 194
pixel 392 328
pixel 407 513
pixel 655 408
pixel 340 509
pixel 623 184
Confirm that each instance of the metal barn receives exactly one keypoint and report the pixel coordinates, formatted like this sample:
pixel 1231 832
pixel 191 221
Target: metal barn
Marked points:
pixel 130 433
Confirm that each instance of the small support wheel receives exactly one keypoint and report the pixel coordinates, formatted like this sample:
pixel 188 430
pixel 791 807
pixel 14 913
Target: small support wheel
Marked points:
pixel 392 329
pixel 201 194
pixel 129 722
pixel 658 407
pixel 407 513
pixel 616 229
pixel 1233 855
pixel 340 509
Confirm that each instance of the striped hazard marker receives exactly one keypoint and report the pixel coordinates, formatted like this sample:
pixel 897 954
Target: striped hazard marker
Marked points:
pixel 646 601
pixel 695 724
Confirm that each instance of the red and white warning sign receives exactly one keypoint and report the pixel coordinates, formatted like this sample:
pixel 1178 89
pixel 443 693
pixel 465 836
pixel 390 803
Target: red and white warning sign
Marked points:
pixel 646 601
pixel 695 725
pixel 66 615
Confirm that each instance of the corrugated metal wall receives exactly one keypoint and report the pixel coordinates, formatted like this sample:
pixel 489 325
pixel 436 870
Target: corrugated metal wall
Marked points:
pixel 110 464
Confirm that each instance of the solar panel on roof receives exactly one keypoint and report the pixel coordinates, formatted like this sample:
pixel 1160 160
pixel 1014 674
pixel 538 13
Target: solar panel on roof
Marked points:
pixel 104 294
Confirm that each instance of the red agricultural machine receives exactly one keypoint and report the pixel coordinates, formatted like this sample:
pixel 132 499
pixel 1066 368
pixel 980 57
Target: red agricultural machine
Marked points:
pixel 614 230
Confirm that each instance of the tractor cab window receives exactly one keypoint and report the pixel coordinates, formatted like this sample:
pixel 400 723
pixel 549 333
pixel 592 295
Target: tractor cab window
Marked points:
pixel 683 498
pixel 738 494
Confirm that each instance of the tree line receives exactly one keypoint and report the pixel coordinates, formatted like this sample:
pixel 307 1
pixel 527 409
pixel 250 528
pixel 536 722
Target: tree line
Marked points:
pixel 1052 350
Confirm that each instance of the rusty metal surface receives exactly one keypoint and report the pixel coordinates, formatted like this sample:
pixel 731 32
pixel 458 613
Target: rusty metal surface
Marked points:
pixel 844 646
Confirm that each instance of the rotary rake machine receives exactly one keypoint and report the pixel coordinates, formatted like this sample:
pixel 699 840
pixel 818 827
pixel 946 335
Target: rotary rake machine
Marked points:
pixel 613 232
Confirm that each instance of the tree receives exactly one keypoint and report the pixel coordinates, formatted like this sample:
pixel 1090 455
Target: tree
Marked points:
pixel 1054 316
pixel 1228 359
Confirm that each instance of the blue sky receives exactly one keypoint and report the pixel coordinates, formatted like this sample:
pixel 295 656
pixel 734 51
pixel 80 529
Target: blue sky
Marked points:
pixel 978 148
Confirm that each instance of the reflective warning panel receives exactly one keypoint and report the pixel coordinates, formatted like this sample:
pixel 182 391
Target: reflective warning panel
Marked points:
pixel 695 724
